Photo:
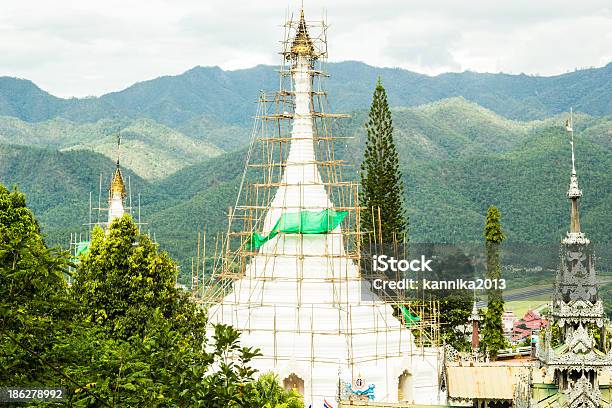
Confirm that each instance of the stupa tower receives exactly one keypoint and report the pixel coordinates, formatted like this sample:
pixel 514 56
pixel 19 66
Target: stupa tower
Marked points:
pixel 579 359
pixel 290 279
pixel 116 192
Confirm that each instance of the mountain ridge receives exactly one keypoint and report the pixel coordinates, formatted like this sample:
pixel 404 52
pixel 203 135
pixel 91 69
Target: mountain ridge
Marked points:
pixel 456 157
pixel 229 96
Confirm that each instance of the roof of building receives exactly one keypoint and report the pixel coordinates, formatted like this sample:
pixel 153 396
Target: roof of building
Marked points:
pixel 493 382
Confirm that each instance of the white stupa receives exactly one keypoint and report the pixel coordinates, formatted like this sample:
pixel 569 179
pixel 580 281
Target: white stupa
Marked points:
pixel 116 192
pixel 116 195
pixel 301 299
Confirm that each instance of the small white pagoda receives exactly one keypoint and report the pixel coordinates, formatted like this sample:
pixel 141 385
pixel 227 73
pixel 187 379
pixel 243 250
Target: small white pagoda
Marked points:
pixel 116 196
pixel 300 298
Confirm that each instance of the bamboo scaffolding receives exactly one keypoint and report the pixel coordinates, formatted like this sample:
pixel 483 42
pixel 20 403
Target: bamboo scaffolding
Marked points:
pixel 263 176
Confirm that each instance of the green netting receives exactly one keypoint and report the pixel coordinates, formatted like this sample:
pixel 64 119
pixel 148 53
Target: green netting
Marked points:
pixel 82 248
pixel 303 222
pixel 409 318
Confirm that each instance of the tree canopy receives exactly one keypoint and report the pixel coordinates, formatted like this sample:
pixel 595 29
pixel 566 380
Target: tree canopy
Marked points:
pixel 493 332
pixel 382 187
pixel 123 334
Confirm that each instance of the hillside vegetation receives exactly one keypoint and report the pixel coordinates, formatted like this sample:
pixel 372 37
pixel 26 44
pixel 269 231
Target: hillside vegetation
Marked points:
pixel 150 149
pixel 465 141
pixel 457 158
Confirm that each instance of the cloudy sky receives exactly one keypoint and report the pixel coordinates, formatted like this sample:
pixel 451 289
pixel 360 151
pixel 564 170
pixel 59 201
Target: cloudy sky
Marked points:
pixel 90 47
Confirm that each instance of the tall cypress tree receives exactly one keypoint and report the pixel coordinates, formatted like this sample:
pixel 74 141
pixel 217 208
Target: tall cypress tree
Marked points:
pixel 381 178
pixel 493 333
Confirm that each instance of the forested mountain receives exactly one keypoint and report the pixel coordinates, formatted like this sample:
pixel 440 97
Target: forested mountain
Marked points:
pixel 465 140
pixel 457 158
pixel 212 94
pixel 447 195
pixel 150 149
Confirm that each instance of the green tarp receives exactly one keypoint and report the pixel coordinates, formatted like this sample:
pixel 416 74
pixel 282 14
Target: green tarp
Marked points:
pixel 408 317
pixel 303 222
pixel 82 248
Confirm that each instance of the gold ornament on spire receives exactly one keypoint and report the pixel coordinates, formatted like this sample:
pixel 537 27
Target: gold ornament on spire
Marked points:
pixel 117 185
pixel 302 44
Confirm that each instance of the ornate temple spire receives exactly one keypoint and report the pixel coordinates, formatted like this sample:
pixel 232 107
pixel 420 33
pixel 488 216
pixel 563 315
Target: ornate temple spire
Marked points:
pixel 302 44
pixel 573 193
pixel 578 312
pixel 116 193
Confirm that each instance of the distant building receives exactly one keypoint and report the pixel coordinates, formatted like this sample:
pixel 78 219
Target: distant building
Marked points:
pixel 523 328
pixel 118 194
pixel 576 364
pixel 569 364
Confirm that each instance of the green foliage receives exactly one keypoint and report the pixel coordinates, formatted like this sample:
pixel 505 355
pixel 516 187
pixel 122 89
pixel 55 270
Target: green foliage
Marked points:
pixel 493 231
pixel 381 180
pixel 267 392
pixel 454 313
pixel 492 337
pixel 33 294
pixel 493 331
pixel 123 335
pixel 449 168
pixel 124 279
pixel 149 149
pixel 555 332
pixel 455 306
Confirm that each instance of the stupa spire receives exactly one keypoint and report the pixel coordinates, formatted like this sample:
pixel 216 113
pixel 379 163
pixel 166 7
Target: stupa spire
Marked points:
pixel 297 293
pixel 302 44
pixel 573 193
pixel 116 193
pixel 577 311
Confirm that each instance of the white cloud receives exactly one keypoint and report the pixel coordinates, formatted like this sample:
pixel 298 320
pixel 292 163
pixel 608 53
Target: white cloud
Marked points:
pixel 78 48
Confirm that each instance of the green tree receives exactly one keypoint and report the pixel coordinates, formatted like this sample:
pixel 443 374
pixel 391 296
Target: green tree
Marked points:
pixel 232 384
pixel 493 332
pixel 124 335
pixel 152 348
pixel 454 306
pixel 381 179
pixel 267 392
pixel 124 279
pixel 34 303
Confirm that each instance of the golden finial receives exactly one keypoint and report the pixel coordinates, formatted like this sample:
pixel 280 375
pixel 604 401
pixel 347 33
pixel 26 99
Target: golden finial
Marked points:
pixel 117 184
pixel 302 45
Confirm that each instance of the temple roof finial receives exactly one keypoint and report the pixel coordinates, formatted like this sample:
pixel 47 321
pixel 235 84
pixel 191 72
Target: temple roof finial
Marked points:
pixel 117 185
pixel 575 235
pixel 574 191
pixel 475 316
pixel 302 44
